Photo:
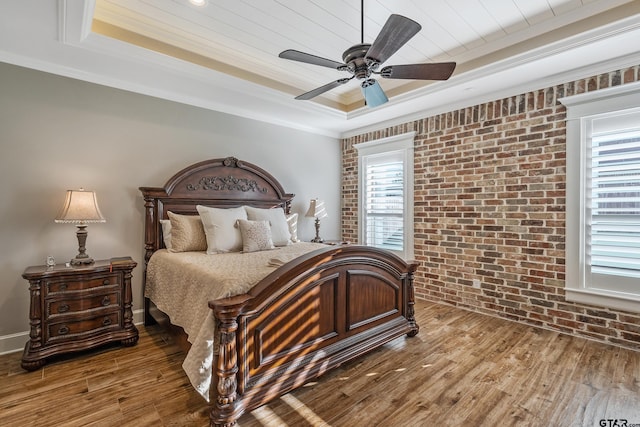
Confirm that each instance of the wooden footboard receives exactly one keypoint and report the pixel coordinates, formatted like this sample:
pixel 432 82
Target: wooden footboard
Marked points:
pixel 307 317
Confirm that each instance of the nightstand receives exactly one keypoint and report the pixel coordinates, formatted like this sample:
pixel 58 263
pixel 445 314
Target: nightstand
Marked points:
pixel 336 242
pixel 78 307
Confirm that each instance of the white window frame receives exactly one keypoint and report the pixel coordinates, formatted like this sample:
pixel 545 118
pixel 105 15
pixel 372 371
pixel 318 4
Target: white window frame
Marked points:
pixel 581 285
pixel 399 143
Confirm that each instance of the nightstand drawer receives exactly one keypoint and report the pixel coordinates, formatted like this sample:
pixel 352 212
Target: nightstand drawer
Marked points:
pixel 86 326
pixel 79 303
pixel 74 284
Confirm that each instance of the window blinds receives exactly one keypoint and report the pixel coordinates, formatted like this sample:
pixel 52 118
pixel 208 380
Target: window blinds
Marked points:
pixel 384 201
pixel 615 204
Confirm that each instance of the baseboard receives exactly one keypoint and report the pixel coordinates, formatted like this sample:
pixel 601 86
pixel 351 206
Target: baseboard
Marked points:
pixel 138 317
pixel 15 342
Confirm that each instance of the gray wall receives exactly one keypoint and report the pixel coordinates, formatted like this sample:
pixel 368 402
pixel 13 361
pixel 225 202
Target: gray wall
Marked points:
pixel 58 133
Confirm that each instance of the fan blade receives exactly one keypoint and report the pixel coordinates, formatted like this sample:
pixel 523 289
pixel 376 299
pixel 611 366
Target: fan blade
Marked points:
pixel 437 71
pixel 323 89
pixel 373 93
pixel 395 33
pixel 296 55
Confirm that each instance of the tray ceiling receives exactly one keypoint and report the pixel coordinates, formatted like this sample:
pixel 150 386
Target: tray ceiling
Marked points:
pixel 224 55
pixel 244 38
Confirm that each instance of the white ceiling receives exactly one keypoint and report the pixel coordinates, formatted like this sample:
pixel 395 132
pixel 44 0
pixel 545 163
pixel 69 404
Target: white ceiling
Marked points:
pixel 224 55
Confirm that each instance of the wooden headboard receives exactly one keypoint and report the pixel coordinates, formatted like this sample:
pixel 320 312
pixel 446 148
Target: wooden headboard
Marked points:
pixel 222 183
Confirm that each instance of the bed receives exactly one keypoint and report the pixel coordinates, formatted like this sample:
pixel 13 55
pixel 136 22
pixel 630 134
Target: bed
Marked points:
pixel 309 314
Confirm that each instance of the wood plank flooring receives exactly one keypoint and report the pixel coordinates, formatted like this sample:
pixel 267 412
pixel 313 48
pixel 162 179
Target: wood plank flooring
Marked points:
pixel 462 369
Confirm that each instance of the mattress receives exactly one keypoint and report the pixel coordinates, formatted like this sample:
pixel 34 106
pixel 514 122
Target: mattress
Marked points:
pixel 181 284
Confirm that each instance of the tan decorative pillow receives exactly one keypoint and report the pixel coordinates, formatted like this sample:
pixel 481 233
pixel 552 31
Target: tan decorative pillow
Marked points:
pixel 187 233
pixel 256 235
pixel 277 220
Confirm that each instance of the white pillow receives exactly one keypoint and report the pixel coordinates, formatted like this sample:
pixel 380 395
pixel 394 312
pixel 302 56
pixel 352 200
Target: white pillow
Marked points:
pixel 279 227
pixel 292 221
pixel 220 228
pixel 256 235
pixel 166 232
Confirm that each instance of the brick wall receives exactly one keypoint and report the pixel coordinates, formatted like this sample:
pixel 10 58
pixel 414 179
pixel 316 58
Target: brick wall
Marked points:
pixel 490 205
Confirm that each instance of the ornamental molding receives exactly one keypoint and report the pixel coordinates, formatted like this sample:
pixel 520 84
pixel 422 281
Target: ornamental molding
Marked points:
pixel 226 183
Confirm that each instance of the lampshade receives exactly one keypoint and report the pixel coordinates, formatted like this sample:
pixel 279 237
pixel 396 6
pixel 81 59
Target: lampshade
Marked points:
pixel 80 206
pixel 316 209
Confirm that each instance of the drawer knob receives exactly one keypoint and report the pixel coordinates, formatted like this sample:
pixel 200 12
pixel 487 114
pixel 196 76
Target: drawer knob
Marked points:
pixel 63 330
pixel 105 282
pixel 63 287
pixel 63 308
pixel 106 321
pixel 106 301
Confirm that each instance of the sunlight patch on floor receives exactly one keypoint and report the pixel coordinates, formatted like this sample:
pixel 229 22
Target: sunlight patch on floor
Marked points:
pixel 267 417
pixel 304 411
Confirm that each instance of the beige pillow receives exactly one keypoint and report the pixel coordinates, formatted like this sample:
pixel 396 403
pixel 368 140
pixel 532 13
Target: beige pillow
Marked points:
pixel 256 235
pixel 277 220
pixel 166 233
pixel 187 233
pixel 220 228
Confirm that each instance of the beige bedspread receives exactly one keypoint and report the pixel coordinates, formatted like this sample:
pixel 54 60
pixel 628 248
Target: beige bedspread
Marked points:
pixel 181 284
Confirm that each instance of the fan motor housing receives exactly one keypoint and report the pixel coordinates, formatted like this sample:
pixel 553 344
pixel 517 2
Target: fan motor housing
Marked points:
pixel 354 57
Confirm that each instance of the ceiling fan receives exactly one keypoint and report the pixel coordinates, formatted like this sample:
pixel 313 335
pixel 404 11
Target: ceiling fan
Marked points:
pixel 362 60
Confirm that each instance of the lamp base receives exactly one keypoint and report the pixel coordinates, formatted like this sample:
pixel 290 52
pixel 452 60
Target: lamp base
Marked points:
pixel 317 239
pixel 82 258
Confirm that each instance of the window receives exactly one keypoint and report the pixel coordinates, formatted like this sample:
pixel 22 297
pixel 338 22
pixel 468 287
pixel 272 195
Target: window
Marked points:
pixel 386 194
pixel 615 203
pixel 603 198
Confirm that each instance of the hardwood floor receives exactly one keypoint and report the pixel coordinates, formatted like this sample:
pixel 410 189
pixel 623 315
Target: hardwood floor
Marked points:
pixel 462 368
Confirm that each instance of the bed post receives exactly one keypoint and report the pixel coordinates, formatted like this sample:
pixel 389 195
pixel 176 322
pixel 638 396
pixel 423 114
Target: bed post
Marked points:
pixel 227 408
pixel 149 246
pixel 411 301
pixel 149 229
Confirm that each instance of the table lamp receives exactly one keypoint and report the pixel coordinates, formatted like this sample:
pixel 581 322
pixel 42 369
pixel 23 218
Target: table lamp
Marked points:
pixel 80 207
pixel 316 209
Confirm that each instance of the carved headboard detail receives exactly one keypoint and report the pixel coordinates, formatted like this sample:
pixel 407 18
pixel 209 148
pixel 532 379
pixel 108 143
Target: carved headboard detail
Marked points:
pixel 222 183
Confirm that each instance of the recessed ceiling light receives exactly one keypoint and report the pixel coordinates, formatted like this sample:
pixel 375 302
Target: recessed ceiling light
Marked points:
pixel 198 2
